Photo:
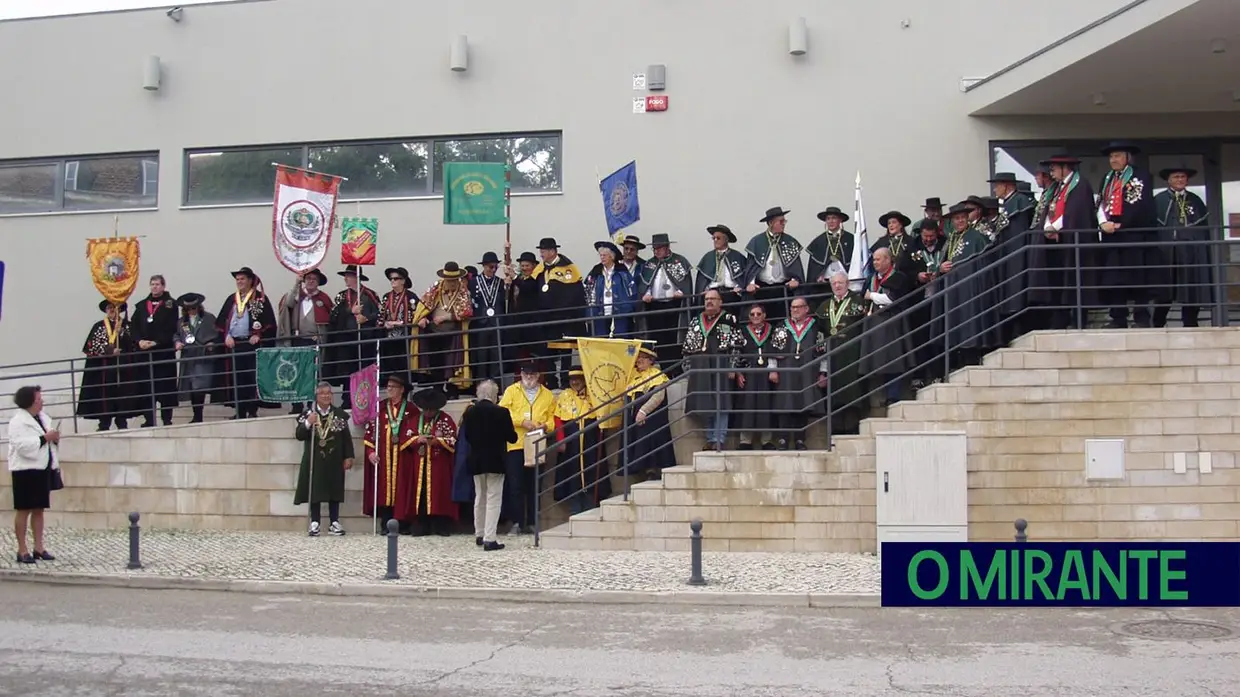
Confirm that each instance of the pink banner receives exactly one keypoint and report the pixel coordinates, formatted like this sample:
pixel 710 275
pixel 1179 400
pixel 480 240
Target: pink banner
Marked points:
pixel 362 391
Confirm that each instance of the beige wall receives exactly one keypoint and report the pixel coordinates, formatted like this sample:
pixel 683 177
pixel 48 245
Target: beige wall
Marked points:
pixel 749 126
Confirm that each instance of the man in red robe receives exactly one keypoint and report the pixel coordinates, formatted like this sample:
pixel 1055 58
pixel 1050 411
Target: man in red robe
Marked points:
pixel 435 448
pixel 392 460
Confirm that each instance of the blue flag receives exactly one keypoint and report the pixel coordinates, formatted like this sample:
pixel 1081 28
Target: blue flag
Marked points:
pixel 1 286
pixel 620 198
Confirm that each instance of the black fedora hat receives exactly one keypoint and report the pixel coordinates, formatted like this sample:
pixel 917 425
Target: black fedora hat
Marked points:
pixel 934 203
pixel 929 224
pixel 632 239
pixel 401 271
pixel 1060 159
pixel 722 228
pixel 1003 178
pixel 1024 187
pixel 430 399
pixel 833 210
pixel 975 201
pixel 548 243
pixel 1165 174
pixel 244 271
pixel 527 256
pixel 353 270
pixel 489 258
pixel 105 304
pixel 660 239
pixel 531 368
pixel 398 378
pixel 1121 146
pixel 191 300
pixel 608 244
pixel 451 270
pixel 317 274
pixel 886 217
pixel 990 203
pixel 772 213
pixel 962 207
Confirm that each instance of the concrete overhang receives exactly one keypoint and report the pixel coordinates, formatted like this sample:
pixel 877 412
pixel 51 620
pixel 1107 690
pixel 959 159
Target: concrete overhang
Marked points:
pixel 1150 56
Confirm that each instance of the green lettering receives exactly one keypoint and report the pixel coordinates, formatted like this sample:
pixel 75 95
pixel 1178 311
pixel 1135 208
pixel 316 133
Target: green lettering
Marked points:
pixel 1102 567
pixel 1166 575
pixel 1143 571
pixel 1038 576
pixel 1015 592
pixel 944 575
pixel 996 574
pixel 1072 575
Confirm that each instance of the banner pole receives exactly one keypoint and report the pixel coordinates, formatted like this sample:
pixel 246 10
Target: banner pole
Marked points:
pixel 314 409
pixel 374 508
pixel 508 215
pixel 310 171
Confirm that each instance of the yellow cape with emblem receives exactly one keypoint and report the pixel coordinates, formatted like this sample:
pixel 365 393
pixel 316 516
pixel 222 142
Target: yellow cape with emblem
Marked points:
pixel 560 274
pixel 608 367
pixel 114 266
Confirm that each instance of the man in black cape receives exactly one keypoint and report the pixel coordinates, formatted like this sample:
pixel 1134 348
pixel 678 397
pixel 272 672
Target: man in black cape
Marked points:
pixel 1183 223
pixel 1064 271
pixel 774 269
pixel 1011 242
pixel 154 324
pixel 1127 217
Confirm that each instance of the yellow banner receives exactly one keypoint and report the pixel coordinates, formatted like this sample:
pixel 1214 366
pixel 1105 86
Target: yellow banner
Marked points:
pixel 114 266
pixel 608 365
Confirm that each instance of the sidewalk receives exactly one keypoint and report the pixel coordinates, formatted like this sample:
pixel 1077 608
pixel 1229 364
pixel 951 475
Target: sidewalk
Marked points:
pixel 446 567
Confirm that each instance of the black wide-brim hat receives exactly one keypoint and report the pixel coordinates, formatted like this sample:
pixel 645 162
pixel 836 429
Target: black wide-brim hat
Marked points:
pixel 632 239
pixel 886 217
pixel 322 278
pixel 399 379
pixel 353 270
pixel 244 271
pixel 990 203
pixel 548 243
pixel 833 210
pixel 451 270
pixel 191 300
pixel 1003 178
pixel 1121 146
pixel 430 399
pixel 933 204
pixel 608 244
pixel 527 256
pixel 105 304
pixel 962 207
pixel 1165 174
pixel 772 213
pixel 660 240
pixel 531 368
pixel 1060 159
pixel 722 228
pixel 976 201
pixel 490 258
pixel 396 271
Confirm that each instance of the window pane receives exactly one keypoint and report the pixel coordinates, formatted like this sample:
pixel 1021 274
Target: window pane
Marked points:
pixel 236 176
pixel 535 159
pixel 28 188
pixel 376 170
pixel 109 182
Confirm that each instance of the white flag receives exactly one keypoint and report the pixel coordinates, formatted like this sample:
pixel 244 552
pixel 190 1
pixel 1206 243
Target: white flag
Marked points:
pixel 303 217
pixel 859 265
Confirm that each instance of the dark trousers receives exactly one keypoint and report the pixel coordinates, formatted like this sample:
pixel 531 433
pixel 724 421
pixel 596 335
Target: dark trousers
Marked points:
pixel 1189 315
pixel 663 327
pixel 333 511
pixel 793 426
pixel 394 357
pixel 384 514
pixel 245 385
pixel 520 490
pixel 1117 299
pixel 774 299
pixel 105 423
pixel 196 400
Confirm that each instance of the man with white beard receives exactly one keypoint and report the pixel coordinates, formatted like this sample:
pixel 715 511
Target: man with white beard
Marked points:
pixel 532 407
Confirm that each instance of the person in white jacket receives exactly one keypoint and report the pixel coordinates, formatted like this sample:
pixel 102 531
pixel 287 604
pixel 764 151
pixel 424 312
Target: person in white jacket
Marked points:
pixel 33 464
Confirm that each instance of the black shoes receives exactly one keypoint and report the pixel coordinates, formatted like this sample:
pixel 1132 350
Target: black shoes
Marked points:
pixel 478 541
pixel 491 546
pixel 800 445
pixel 25 559
pixel 32 558
pixel 44 555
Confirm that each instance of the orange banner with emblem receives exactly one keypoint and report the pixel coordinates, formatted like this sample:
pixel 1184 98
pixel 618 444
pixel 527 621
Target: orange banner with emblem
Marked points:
pixel 114 266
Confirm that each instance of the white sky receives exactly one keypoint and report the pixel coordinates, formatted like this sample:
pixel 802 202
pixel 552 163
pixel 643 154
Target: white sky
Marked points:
pixel 12 9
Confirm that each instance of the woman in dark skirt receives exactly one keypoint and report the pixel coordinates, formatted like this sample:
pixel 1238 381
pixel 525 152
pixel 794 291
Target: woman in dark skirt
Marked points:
pixel 650 448
pixel 34 465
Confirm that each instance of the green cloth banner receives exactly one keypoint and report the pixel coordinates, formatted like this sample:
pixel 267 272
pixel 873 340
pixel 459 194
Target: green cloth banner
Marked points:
pixel 287 374
pixel 474 193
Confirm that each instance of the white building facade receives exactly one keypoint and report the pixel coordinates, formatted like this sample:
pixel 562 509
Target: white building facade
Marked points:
pixel 896 89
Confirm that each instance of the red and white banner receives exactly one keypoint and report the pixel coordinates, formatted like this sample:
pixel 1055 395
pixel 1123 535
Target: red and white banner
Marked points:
pixel 303 217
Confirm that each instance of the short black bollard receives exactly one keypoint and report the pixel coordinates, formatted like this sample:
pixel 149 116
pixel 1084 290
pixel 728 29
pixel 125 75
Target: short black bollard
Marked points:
pixel 695 551
pixel 393 537
pixel 135 559
pixel 1021 525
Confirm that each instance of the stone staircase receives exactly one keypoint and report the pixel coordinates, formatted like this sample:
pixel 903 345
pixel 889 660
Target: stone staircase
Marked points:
pixel 1172 396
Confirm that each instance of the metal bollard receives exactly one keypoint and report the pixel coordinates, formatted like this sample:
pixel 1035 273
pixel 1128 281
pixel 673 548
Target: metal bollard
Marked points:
pixel 135 560
pixel 1021 525
pixel 695 551
pixel 393 537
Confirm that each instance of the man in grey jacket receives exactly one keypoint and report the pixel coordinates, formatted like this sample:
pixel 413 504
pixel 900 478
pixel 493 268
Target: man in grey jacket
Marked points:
pixel 305 312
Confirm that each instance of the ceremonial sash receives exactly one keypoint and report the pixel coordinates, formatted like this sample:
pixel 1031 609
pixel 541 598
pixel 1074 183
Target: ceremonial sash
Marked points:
pixel 1113 190
pixel 1061 197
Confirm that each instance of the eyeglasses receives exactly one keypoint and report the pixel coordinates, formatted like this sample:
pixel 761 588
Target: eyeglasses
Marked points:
pixel 756 314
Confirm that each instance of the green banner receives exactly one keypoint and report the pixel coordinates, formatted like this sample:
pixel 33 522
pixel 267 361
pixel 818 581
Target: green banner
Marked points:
pixel 287 374
pixel 474 193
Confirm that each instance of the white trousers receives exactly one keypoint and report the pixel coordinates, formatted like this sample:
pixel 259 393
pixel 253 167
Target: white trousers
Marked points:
pixel 488 498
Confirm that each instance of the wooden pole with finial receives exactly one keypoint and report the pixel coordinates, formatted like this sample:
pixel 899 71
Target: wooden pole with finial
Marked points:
pixel 507 215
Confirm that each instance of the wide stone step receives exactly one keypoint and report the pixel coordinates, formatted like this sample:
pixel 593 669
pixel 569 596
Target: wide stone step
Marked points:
pixel 1197 339
pixel 952 393
pixel 1076 411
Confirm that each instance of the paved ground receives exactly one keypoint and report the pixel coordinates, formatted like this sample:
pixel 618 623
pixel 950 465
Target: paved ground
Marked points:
pixel 58 641
pixel 452 562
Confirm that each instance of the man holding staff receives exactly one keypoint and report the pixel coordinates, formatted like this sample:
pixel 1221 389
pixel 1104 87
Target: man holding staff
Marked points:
pixel 328 452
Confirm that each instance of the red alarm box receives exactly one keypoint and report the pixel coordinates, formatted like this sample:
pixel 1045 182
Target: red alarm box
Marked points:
pixel 656 103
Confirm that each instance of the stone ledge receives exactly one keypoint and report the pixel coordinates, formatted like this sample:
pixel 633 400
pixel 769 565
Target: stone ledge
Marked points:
pixel 392 589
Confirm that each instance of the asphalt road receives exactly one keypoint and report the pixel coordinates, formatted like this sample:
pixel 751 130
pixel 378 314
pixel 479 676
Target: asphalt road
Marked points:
pixel 66 641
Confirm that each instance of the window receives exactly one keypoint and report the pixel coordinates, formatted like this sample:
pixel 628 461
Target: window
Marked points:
pixel 404 168
pixel 80 184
